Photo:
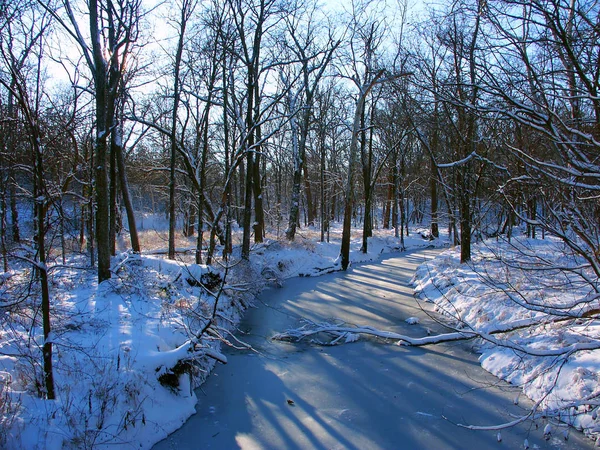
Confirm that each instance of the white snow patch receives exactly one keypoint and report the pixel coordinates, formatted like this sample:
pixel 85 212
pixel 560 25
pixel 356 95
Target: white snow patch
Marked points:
pixel 489 294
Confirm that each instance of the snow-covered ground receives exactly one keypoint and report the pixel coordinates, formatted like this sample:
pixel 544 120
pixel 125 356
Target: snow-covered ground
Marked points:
pixel 544 294
pixel 113 342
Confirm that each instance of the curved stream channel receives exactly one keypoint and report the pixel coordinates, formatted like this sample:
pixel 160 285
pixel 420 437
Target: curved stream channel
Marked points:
pixel 363 395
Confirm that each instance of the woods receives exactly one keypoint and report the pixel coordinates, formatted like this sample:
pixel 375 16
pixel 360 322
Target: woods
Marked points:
pixel 497 102
pixel 244 122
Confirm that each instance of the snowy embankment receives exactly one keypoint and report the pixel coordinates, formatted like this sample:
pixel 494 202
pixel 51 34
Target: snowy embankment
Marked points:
pixel 111 345
pixel 548 299
pixel 122 350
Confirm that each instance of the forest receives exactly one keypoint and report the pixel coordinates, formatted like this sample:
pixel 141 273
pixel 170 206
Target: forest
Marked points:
pixel 241 123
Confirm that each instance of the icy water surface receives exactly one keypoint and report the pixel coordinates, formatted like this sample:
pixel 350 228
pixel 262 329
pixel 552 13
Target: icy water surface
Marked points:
pixel 364 395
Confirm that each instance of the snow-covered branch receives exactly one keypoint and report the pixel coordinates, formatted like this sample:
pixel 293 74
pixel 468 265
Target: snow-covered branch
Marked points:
pixel 348 333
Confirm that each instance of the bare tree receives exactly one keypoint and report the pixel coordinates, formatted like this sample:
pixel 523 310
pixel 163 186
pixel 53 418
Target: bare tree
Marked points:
pixel 24 29
pixel 367 71
pixel 546 82
pixel 313 59
pixel 252 22
pixel 186 9
pixel 113 29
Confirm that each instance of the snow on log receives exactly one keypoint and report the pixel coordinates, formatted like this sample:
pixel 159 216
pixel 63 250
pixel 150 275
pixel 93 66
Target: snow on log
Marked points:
pixel 170 364
pixel 311 329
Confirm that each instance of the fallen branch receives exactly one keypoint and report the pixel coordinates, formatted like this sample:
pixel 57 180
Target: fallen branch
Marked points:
pixel 189 350
pixel 311 329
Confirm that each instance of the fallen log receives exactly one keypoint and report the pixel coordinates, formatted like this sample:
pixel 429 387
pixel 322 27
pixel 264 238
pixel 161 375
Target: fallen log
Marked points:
pixel 349 332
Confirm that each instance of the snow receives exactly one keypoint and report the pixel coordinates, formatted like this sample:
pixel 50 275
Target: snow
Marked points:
pixel 518 286
pixel 111 344
pixel 361 395
pixel 113 341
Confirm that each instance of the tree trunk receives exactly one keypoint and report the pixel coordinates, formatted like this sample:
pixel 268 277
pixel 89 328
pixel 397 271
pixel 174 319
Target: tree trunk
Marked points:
pixel 323 212
pixel 202 190
pixel 229 174
pixel 466 171
pixel 349 195
pixel 360 107
pixel 47 348
pixel 113 193
pixel 40 202
pixel 14 211
pixel 102 199
pixel 174 117
pixel 200 237
pixel 171 206
pixel 89 211
pixel 133 234
pixel 435 232
pixel 247 219
pixel 310 209
pixel 465 217
pixel 259 215
pixel 387 207
pixel 3 223
pixel 241 186
pixel 433 177
pixel 298 158
pixel 248 194
pixel 532 213
pixel 103 121
pixel 11 182
pixel 367 163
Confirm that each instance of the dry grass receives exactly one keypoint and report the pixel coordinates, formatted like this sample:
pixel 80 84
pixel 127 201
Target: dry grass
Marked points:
pixel 152 241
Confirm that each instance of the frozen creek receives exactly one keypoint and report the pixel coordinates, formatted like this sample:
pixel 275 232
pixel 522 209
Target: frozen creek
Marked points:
pixel 362 395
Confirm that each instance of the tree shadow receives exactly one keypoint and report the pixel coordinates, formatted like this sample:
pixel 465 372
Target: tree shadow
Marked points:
pixel 367 394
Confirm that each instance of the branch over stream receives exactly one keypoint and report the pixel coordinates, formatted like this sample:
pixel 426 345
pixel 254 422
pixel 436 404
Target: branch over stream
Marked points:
pixel 349 333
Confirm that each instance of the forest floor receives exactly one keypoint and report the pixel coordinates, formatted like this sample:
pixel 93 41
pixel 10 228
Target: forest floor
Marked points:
pixel 113 342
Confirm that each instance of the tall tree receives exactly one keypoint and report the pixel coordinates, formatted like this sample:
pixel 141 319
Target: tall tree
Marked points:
pixel 313 58
pixel 364 90
pixel 186 9
pixel 113 29
pixel 366 71
pixel 251 23
pixel 24 28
